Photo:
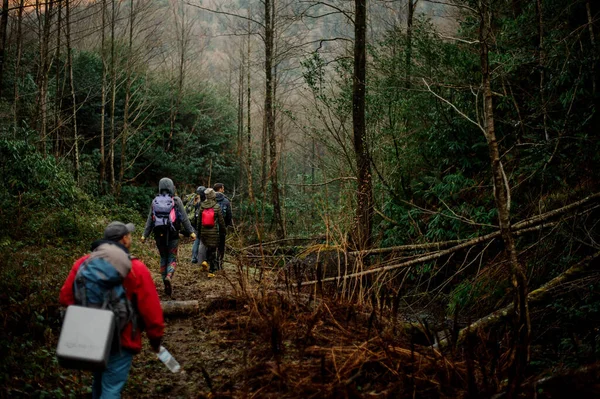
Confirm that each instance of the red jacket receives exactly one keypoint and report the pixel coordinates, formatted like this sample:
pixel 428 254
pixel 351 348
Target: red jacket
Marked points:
pixel 139 283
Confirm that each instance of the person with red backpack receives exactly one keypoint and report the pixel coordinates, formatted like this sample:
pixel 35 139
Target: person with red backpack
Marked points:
pixel 210 226
pixel 140 291
pixel 167 217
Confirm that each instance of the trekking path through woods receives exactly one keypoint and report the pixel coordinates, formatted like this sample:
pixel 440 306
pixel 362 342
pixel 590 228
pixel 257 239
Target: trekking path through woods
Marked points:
pixel 194 340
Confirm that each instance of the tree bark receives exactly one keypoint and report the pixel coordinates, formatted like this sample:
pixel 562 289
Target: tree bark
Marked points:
pixel 126 105
pixel 3 33
pixel 364 206
pixel 535 297
pixel 113 93
pixel 542 66
pixel 103 101
pixel 521 323
pixel 248 123
pixel 180 308
pixel 270 119
pixel 72 86
pixel 19 51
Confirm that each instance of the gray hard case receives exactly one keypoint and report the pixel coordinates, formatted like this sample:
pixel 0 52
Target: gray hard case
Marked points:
pixel 86 338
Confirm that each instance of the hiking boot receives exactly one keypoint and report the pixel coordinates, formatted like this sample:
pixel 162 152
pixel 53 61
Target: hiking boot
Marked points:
pixel 211 275
pixel 168 287
pixel 204 266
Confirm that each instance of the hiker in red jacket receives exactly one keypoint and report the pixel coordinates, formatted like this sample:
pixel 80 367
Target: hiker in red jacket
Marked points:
pixel 141 291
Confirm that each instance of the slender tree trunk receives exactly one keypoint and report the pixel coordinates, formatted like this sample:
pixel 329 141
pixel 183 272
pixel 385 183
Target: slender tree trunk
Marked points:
pixel 18 65
pixel 113 90
pixel 72 85
pixel 412 4
pixel 521 329
pixel 364 209
pixel 103 102
pixel 542 66
pixel 241 117
pixel 3 33
pixel 593 41
pixel 182 46
pixel 126 105
pixel 58 95
pixel 270 119
pixel 248 123
pixel 43 70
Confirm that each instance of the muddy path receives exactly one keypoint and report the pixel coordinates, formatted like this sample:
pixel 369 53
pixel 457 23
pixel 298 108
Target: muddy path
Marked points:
pixel 209 359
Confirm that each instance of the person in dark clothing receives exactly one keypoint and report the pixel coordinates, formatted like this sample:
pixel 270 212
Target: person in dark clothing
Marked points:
pixel 167 235
pixel 200 197
pixel 225 206
pixel 211 225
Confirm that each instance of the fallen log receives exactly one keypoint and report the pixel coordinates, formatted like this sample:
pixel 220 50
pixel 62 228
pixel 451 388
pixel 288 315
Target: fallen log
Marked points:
pixel 180 308
pixel 535 297
pixel 422 259
pixel 515 227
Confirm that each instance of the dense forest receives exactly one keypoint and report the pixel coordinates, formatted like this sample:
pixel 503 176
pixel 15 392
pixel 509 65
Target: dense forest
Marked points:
pixel 415 186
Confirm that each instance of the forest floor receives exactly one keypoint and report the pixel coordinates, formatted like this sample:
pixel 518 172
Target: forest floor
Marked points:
pixel 198 341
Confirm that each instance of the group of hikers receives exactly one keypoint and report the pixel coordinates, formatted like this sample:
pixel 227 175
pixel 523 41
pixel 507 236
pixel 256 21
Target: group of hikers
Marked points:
pixel 210 216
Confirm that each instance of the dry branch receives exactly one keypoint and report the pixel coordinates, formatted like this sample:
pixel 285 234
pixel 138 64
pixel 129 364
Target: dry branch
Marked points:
pixel 422 259
pixel 535 297
pixel 516 227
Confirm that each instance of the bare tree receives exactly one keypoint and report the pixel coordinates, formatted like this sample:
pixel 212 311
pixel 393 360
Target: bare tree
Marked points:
pixel 364 206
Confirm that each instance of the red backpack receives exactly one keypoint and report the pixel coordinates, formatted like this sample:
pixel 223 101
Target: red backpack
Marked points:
pixel 208 217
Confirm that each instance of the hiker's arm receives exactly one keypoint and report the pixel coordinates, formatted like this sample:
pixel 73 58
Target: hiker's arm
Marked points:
pixel 228 215
pixel 185 221
pixel 149 224
pixel 149 305
pixel 221 221
pixel 67 296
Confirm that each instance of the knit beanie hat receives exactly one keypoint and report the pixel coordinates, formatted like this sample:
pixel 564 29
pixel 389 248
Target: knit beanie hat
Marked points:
pixel 210 193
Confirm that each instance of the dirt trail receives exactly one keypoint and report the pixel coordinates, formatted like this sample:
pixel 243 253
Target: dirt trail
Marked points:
pixel 195 341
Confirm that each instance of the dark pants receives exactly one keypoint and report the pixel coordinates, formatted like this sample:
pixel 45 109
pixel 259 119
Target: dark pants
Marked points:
pixel 211 258
pixel 221 251
pixel 168 256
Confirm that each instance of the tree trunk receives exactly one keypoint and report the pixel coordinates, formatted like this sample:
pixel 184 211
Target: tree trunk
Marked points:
pixel 72 85
pixel 58 98
pixel 521 328
pixel 126 105
pixel 364 206
pixel 535 297
pixel 103 102
pixel 113 90
pixel 593 42
pixel 270 118
pixel 542 66
pixel 3 33
pixel 248 123
pixel 19 39
pixel 44 67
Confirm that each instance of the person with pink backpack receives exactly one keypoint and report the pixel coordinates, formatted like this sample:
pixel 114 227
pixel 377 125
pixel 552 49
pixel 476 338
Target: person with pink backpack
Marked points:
pixel 167 217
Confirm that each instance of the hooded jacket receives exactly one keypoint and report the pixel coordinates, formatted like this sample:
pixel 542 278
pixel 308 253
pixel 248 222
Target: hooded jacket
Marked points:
pixel 166 186
pixel 210 235
pixel 225 205
pixel 140 289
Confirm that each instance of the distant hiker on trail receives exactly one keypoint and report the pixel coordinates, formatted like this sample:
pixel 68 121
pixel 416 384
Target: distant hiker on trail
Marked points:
pixel 167 216
pixel 192 201
pixel 141 292
pixel 200 197
pixel 225 206
pixel 211 225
